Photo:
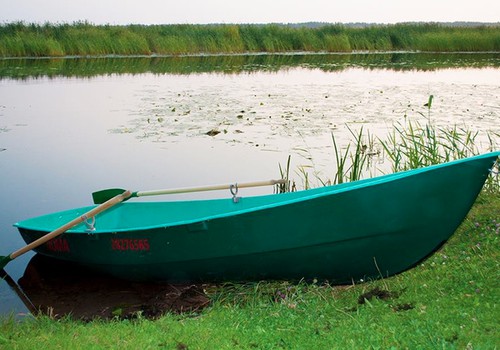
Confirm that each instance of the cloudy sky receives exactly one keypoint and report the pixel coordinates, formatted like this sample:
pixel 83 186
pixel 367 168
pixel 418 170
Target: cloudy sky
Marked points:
pixel 248 11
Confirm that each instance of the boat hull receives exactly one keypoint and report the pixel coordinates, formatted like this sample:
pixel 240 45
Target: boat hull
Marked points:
pixel 358 231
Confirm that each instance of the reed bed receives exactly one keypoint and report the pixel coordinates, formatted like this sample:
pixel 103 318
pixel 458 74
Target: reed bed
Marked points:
pixel 408 146
pixel 84 39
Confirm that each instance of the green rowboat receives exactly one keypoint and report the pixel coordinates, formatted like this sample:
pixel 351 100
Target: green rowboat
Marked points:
pixel 354 231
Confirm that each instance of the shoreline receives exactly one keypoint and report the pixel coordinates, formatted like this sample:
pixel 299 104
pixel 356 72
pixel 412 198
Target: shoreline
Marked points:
pixel 240 54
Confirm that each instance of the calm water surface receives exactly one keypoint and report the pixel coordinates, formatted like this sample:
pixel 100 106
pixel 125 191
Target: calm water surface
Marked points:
pixel 61 138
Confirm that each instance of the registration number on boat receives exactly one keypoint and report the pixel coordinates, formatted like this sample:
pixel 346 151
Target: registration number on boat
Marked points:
pixel 124 244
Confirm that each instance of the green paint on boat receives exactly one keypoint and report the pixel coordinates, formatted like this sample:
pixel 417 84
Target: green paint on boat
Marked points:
pixel 354 231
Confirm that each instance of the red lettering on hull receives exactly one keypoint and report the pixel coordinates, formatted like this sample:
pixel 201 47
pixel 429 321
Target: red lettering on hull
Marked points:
pixel 58 245
pixel 125 244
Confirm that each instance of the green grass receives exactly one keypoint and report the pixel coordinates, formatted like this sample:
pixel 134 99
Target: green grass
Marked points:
pixel 82 39
pixel 451 301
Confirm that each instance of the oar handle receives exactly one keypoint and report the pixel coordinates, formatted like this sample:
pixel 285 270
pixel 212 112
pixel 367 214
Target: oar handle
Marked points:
pixel 208 188
pixel 90 214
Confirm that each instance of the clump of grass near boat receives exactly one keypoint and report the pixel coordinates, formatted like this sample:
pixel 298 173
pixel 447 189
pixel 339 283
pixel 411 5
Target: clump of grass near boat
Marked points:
pixel 414 146
pixel 406 147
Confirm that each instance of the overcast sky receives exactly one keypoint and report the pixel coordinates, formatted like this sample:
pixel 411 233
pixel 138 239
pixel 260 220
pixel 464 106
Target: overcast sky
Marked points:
pixel 247 11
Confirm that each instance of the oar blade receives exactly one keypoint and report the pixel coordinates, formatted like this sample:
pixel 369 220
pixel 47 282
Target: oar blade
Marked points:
pixel 4 260
pixel 102 196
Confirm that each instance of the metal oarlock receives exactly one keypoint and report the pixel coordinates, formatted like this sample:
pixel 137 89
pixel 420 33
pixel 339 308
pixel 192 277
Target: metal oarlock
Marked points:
pixel 234 192
pixel 89 222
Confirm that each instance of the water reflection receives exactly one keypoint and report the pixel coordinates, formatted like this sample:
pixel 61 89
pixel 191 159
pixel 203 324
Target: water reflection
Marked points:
pixel 57 289
pixel 231 64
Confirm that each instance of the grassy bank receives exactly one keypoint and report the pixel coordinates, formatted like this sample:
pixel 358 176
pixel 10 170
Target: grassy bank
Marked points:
pixel 82 39
pixel 448 302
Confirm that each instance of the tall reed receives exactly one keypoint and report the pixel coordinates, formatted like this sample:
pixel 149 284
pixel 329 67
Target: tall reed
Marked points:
pixel 350 164
pixel 285 175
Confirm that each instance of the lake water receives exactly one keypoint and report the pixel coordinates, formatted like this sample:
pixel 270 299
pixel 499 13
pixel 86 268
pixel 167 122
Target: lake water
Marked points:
pixel 66 132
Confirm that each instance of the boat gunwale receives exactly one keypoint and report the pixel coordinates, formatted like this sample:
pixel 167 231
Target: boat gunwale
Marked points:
pixel 318 193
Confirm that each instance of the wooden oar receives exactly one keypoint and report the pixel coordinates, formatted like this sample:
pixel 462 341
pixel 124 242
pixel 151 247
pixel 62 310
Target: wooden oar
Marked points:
pixel 20 293
pixel 123 195
pixel 104 195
